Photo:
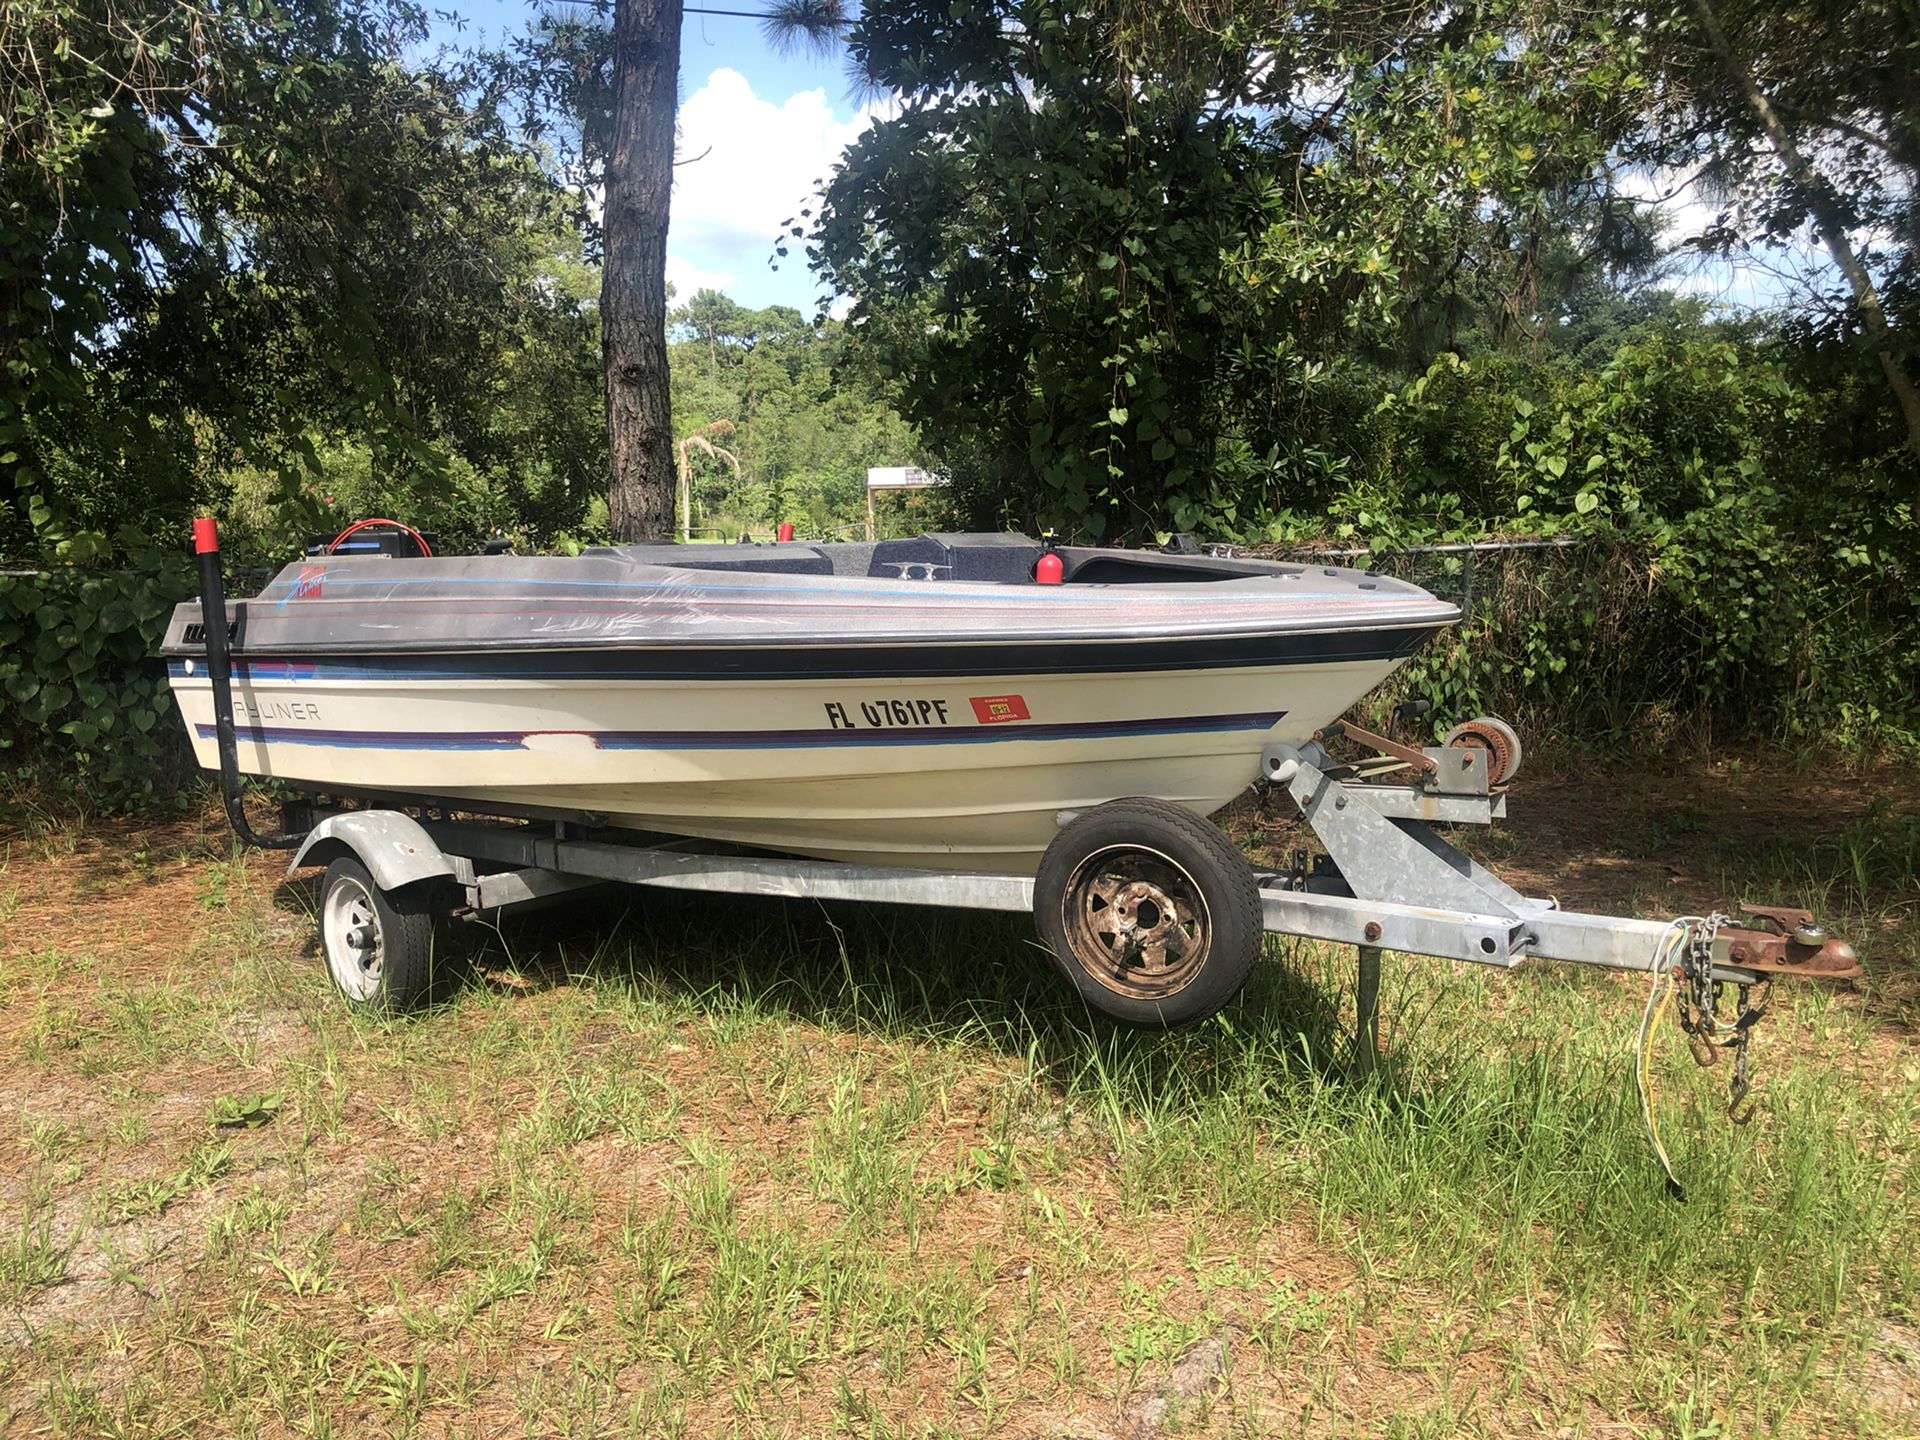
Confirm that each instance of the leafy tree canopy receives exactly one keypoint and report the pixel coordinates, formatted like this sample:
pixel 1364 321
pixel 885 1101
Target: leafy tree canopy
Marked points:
pixel 1119 235
pixel 234 239
pixel 1115 259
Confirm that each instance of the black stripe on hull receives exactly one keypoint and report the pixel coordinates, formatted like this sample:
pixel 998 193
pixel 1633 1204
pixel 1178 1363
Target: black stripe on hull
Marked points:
pixel 875 661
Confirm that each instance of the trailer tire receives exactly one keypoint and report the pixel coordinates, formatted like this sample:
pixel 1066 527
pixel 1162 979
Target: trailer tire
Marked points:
pixel 386 951
pixel 1149 912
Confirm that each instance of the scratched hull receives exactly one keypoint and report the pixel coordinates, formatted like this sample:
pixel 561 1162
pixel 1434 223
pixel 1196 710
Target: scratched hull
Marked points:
pixel 961 753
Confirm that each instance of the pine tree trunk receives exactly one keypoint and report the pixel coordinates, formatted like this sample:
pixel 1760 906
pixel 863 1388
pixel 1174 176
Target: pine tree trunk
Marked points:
pixel 633 281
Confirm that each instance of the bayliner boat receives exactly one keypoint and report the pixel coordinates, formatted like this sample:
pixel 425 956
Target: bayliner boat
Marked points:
pixel 946 701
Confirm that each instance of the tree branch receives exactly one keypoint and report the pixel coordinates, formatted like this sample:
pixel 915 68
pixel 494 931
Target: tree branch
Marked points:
pixel 1825 207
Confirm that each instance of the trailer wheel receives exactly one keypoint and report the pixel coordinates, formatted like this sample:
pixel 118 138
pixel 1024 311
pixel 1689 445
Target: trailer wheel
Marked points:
pixel 1150 912
pixel 384 950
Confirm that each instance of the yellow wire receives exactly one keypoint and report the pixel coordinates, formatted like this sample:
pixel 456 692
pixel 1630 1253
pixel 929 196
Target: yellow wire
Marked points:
pixel 1643 1070
pixel 1652 1091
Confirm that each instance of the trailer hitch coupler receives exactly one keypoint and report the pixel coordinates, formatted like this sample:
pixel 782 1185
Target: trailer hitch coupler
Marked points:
pixel 213 620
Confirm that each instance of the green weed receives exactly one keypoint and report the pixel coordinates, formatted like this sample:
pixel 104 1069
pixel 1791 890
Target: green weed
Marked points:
pixel 30 1257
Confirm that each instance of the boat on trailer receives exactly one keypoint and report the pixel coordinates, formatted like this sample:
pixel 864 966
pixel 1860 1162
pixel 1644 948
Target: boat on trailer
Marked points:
pixel 920 702
pixel 983 722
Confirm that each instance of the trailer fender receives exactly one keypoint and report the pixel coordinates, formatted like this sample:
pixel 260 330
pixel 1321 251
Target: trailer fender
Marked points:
pixel 395 848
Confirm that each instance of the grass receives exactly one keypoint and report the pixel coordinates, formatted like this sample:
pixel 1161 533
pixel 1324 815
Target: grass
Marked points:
pixel 693 1167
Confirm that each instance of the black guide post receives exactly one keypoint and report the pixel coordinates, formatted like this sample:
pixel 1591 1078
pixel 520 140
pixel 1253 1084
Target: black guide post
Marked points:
pixel 213 618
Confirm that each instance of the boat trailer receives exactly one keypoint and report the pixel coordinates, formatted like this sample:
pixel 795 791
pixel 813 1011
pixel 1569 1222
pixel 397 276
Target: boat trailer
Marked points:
pixel 1386 880
pixel 1138 910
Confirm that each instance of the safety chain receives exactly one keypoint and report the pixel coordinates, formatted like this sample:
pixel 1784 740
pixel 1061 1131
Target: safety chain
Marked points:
pixel 1699 992
pixel 1699 1014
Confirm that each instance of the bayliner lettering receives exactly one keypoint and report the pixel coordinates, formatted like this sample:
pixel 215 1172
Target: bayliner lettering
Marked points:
pixel 256 712
pixel 884 714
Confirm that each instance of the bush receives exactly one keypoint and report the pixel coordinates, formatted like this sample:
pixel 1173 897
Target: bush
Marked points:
pixel 1619 645
pixel 1734 577
pixel 81 692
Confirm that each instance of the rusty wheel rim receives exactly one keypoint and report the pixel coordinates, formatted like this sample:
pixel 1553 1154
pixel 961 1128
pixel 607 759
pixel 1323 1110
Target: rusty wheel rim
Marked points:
pixel 1136 921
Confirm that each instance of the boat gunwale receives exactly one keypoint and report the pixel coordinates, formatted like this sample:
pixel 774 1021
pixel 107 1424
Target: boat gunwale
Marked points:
pixel 897 650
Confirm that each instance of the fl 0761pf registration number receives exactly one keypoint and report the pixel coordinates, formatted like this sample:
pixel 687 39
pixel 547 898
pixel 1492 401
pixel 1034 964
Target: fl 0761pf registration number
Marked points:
pixel 895 712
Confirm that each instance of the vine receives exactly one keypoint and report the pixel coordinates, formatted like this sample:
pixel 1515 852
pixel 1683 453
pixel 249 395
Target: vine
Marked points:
pixel 81 693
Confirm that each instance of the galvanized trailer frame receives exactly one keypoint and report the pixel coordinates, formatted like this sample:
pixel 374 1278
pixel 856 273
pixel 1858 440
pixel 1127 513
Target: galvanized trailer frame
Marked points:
pixel 1389 881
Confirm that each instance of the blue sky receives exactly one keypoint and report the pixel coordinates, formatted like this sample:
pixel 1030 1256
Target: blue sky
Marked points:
pixel 757 129
pixel 765 127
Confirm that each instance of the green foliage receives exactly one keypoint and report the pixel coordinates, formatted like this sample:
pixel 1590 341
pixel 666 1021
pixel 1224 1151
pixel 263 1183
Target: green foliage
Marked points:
pixel 80 691
pixel 235 241
pixel 1711 585
pixel 765 381
pixel 1099 255
pixel 246 1112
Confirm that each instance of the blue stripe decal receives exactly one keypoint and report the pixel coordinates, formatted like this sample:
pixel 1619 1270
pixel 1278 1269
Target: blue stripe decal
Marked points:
pixel 496 740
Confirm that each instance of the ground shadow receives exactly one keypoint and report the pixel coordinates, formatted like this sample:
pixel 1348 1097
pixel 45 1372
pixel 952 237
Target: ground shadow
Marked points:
pixel 899 972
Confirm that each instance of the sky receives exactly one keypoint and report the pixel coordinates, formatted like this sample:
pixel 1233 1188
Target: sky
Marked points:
pixel 765 128
pixel 759 131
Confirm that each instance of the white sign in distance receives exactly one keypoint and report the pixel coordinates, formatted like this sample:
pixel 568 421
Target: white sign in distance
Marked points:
pixel 899 477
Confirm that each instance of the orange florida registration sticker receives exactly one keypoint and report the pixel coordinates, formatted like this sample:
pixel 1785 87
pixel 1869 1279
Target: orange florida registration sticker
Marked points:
pixel 994 709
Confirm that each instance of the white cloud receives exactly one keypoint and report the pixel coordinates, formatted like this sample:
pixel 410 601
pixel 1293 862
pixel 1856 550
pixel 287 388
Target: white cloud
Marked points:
pixel 1793 269
pixel 686 277
pixel 746 164
pixel 1675 193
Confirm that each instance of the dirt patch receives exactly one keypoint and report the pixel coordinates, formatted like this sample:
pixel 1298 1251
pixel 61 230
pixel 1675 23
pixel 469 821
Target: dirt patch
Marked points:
pixel 130 889
pixel 1599 844
pixel 1201 1369
pixel 1890 1379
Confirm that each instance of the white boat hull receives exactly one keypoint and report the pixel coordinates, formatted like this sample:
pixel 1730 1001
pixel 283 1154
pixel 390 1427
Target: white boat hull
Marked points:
pixel 954 772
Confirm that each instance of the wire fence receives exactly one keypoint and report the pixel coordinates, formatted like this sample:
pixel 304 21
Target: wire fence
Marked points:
pixel 1466 573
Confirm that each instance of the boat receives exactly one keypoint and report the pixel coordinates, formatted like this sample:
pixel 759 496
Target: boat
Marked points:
pixel 926 702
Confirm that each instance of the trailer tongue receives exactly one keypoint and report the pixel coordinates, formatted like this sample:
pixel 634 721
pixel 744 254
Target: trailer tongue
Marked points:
pixel 1381 853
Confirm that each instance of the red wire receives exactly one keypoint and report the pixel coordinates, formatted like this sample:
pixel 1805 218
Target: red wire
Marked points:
pixel 418 538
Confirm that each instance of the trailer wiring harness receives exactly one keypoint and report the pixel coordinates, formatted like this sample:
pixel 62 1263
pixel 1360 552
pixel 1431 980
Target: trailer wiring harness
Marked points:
pixel 1683 979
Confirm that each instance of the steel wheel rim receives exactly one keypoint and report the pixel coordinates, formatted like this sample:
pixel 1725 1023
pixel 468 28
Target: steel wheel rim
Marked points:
pixel 1137 921
pixel 350 934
